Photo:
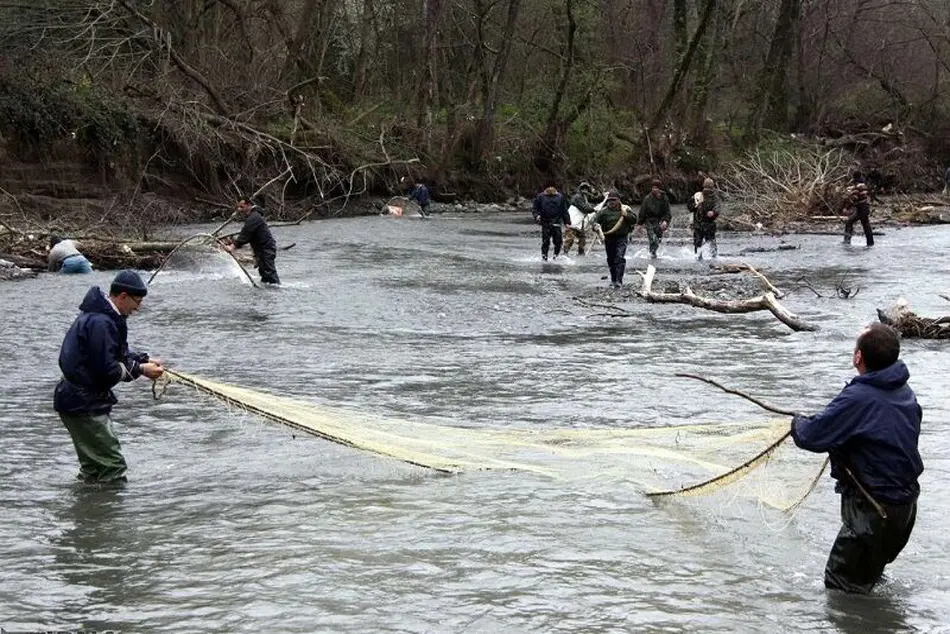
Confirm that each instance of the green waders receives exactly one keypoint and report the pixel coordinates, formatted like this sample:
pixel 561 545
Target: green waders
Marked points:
pixel 98 449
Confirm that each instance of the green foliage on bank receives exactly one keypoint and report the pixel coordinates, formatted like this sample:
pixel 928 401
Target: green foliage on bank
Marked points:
pixel 42 120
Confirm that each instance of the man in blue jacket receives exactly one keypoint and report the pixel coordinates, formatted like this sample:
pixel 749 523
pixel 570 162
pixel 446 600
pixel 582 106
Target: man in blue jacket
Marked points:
pixel 94 358
pixel 550 211
pixel 419 193
pixel 870 431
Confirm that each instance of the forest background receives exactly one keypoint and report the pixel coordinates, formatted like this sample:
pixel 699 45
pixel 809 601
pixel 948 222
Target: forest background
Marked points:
pixel 162 111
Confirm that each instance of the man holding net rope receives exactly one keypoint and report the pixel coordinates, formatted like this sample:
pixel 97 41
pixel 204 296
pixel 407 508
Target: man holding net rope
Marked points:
pixel 94 358
pixel 870 431
pixel 256 233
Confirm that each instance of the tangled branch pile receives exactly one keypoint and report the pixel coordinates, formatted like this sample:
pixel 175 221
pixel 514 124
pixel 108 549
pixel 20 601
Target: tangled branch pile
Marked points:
pixel 165 99
pixel 784 183
pixel 913 326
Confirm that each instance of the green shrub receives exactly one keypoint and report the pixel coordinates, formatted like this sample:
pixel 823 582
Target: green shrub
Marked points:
pixel 39 117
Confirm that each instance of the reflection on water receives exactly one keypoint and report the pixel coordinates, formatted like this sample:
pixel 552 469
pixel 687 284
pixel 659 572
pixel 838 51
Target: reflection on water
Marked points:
pixel 232 524
pixel 91 551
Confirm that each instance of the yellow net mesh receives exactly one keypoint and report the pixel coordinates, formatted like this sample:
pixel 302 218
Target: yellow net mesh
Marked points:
pixel 652 460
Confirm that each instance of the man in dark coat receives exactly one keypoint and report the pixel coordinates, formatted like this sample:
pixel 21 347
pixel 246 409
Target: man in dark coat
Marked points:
pixel 655 215
pixel 870 431
pixel 704 206
pixel 256 233
pixel 550 211
pixel 94 358
pixel 858 200
pixel 418 193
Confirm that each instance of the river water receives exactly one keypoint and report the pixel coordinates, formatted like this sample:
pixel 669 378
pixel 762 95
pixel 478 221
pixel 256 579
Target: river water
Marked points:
pixel 230 524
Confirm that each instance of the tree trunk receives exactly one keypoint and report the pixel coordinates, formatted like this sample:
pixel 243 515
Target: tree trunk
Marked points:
pixel 306 49
pixel 683 68
pixel 707 66
pixel 771 105
pixel 429 87
pixel 363 57
pixel 680 33
pixel 549 147
pixel 492 77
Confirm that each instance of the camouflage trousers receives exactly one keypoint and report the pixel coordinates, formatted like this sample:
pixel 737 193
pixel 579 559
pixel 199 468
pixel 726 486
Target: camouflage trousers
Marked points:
pixel 654 237
pixel 571 235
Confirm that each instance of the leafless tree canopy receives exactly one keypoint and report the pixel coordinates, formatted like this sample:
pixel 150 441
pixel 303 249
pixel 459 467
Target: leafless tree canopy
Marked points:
pixel 336 95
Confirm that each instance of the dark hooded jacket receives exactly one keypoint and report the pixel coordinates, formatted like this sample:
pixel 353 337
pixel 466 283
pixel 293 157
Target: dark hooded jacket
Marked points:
pixel 710 203
pixel 579 200
pixel 871 428
pixel 420 194
pixel 551 208
pixel 256 233
pixel 94 357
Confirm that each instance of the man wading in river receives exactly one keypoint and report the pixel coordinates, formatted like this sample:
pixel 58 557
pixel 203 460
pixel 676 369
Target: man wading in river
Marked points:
pixel 870 431
pixel 578 229
pixel 550 211
pixel 256 233
pixel 94 358
pixel 859 201
pixel 655 214
pixel 617 221
pixel 704 206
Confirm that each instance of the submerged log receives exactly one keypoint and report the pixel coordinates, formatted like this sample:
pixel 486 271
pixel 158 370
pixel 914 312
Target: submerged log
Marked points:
pixel 914 326
pixel 761 302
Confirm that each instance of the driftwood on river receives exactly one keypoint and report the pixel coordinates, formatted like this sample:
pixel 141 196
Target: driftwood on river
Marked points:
pixel 914 326
pixel 766 301
pixel 30 253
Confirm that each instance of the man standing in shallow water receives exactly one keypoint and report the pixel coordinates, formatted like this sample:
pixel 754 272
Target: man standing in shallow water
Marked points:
pixel 94 358
pixel 256 233
pixel 655 214
pixel 550 211
pixel 870 431
pixel 705 207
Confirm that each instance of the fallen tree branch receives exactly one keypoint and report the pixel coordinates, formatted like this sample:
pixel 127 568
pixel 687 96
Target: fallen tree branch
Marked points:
pixel 804 283
pixel 765 281
pixel 15 202
pixel 745 267
pixel 761 302
pixel 587 304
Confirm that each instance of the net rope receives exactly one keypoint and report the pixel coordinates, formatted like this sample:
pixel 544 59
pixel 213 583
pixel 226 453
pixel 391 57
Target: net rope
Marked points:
pixel 202 254
pixel 648 459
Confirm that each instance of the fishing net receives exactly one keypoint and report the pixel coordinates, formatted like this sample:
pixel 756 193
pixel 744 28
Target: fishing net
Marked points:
pixel 402 207
pixel 200 256
pixel 656 461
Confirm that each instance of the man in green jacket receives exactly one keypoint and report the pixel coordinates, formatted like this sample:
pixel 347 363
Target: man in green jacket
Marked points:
pixel 655 214
pixel 617 221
